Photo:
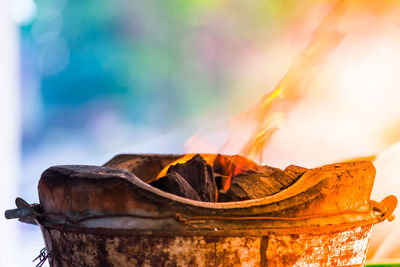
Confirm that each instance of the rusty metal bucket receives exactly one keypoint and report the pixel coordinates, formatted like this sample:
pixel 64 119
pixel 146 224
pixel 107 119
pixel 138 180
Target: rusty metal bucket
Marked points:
pixel 101 216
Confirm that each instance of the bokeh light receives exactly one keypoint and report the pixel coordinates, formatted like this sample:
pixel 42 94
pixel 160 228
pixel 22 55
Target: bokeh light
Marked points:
pixel 98 78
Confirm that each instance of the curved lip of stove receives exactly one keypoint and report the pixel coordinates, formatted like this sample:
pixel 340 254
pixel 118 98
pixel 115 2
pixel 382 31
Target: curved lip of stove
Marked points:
pixel 305 182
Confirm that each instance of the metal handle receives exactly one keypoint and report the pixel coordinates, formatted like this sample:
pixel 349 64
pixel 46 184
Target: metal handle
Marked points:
pixel 25 212
pixel 19 213
pixel 384 209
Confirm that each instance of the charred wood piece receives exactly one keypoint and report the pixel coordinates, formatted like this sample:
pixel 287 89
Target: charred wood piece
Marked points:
pixel 175 184
pixel 199 175
pixel 231 166
pixel 248 185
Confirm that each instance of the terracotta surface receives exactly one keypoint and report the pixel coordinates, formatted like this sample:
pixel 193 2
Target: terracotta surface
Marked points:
pixel 100 216
pixel 343 248
pixel 338 191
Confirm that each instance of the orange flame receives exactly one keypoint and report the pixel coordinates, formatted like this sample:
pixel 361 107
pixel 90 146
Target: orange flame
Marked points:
pixel 209 158
pixel 252 131
pixel 354 80
pixel 231 166
pixel 269 115
pixel 228 166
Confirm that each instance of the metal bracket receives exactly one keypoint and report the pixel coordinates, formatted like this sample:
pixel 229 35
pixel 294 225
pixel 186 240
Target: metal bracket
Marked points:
pixel 384 209
pixel 25 212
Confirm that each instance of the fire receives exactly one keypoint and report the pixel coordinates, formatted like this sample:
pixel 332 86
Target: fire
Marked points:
pixel 357 101
pixel 231 166
pixel 209 158
pixel 268 116
pixel 251 131
pixel 227 166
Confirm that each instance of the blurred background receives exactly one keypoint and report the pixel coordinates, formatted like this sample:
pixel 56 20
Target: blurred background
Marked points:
pixel 82 81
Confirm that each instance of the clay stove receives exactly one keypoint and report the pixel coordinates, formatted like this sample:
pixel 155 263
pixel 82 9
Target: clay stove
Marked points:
pixel 112 216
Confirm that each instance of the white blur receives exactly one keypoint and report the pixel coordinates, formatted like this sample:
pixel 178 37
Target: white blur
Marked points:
pixel 352 109
pixel 20 243
pixel 9 141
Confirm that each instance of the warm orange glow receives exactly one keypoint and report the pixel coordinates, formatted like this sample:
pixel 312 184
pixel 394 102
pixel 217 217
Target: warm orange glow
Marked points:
pixel 347 25
pixel 227 166
pixel 338 100
pixel 234 165
pixel 209 158
pixel 269 115
pixel 251 131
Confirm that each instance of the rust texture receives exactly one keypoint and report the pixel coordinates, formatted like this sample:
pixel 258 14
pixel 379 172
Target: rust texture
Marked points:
pixel 343 248
pixel 339 191
pixel 108 216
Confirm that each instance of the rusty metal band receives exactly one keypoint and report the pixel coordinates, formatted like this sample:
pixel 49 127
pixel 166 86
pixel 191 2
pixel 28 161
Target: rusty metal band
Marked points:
pixel 275 218
pixel 202 219
pixel 315 229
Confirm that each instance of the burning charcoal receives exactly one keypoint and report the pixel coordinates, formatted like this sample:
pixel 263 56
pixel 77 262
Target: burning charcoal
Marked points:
pixel 257 185
pixel 220 180
pixel 199 175
pixel 175 184
pixel 220 164
pixel 231 166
